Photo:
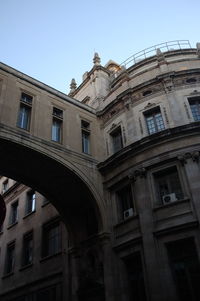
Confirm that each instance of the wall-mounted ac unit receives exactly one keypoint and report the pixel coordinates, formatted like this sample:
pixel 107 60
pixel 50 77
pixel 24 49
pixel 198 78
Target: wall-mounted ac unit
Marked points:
pixel 169 198
pixel 128 213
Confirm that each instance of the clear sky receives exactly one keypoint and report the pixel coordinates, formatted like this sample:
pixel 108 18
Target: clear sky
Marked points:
pixel 55 40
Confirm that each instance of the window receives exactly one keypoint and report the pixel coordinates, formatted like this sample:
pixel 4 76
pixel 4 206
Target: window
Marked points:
pixel 195 107
pixel 117 142
pixel 168 186
pixel 154 121
pixel 85 129
pixel 51 238
pixel 27 251
pixel 30 202
pixel 125 202
pixel 185 268
pixel 9 264
pixel 135 277
pixel 57 125
pixel 5 186
pixel 14 213
pixel 24 115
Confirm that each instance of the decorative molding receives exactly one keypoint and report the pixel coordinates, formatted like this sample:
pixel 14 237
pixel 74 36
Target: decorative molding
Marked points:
pixel 140 124
pixel 141 173
pixel 166 116
pixel 186 110
pixel 184 157
pixel 150 105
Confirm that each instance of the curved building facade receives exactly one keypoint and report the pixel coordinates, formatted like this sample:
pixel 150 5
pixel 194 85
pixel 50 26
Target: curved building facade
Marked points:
pixel 149 116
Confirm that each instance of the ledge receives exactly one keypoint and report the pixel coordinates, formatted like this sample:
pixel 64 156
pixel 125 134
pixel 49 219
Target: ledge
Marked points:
pixel 7 275
pixel 12 225
pixel 28 214
pixel 50 256
pixel 26 267
pixel 148 142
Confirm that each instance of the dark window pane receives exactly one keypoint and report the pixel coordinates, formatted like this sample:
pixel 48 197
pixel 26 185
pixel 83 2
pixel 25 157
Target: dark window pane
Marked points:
pixel 117 140
pixel 135 278
pixel 185 268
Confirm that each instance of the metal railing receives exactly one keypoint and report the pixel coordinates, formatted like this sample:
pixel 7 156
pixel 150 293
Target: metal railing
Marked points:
pixel 151 51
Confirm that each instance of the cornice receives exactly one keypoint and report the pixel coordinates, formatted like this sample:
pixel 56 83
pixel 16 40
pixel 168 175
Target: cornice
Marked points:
pixel 148 142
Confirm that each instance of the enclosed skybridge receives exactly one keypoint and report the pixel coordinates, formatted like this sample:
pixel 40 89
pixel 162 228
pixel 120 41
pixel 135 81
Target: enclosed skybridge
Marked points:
pixel 46 143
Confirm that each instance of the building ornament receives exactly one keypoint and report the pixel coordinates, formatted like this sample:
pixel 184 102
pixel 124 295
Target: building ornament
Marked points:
pixel 198 50
pixel 96 59
pixel 149 105
pixel 160 57
pixel 73 85
pixel 137 173
pixel 186 110
pixel 184 157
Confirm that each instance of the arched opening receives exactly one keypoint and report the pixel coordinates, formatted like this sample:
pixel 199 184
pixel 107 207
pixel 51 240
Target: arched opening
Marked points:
pixel 66 190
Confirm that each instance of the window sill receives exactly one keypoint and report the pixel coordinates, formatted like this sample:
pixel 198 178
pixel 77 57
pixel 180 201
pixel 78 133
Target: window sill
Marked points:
pixel 28 214
pixel 124 221
pixel 173 203
pixel 26 267
pixel 7 275
pixel 45 204
pixel 12 225
pixel 50 256
pixel 57 142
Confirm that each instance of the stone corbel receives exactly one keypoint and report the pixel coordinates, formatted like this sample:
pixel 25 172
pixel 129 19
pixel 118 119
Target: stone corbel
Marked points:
pixel 127 101
pixel 137 173
pixel 168 84
pixel 182 159
pixel 195 156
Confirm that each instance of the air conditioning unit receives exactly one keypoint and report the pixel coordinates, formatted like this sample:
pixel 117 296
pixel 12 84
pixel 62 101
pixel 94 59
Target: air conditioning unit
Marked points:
pixel 169 198
pixel 128 213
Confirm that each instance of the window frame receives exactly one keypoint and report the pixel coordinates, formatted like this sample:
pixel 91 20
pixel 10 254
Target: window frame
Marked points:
pixel 27 237
pixel 195 101
pixel 8 271
pixel 153 186
pixel 57 125
pixel 115 144
pixel 47 227
pixel 152 113
pixel 26 106
pixel 85 137
pixel 119 201
pixel 13 220
pixel 32 200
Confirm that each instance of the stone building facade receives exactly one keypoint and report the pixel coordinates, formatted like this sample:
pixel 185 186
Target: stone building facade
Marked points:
pixel 144 116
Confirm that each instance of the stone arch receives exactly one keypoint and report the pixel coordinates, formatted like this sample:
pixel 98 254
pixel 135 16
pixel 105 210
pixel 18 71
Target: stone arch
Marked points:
pixel 31 161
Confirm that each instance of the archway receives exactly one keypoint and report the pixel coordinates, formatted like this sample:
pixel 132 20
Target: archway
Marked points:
pixel 67 191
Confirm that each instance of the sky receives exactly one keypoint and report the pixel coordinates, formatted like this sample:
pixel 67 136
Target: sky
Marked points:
pixel 55 40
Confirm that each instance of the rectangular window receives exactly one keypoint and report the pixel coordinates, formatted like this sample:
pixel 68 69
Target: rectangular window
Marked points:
pixel 135 277
pixel 9 263
pixel 154 121
pixel 5 186
pixel 13 213
pixel 51 238
pixel 85 129
pixel 30 202
pixel 125 202
pixel 57 125
pixel 185 268
pixel 24 115
pixel 168 186
pixel 195 107
pixel 117 142
pixel 27 251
